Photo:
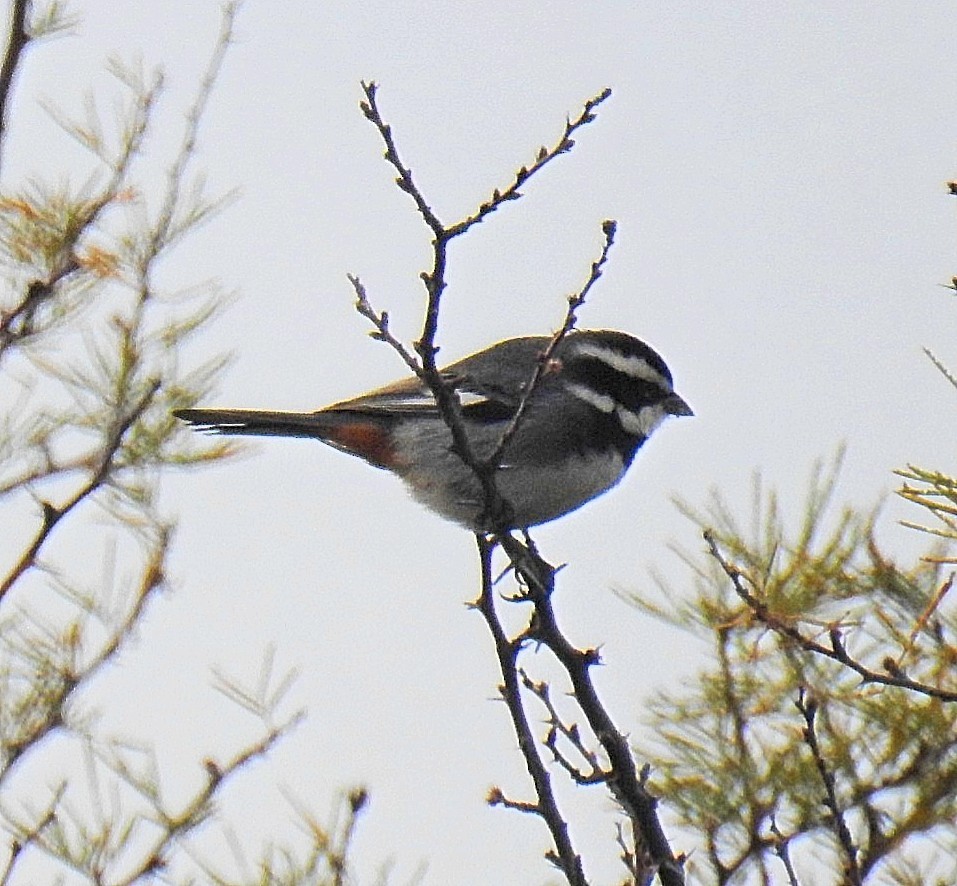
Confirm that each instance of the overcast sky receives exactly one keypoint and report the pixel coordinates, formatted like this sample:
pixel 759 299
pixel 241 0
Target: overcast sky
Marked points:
pixel 778 173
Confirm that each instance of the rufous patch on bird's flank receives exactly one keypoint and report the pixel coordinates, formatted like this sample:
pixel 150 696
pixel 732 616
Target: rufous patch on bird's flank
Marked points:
pixel 365 439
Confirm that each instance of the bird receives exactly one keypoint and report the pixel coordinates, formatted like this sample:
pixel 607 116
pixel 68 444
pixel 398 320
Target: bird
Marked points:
pixel 599 396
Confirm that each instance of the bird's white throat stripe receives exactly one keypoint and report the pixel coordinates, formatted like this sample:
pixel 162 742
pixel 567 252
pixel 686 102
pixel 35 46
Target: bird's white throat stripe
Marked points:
pixel 638 424
pixel 636 367
pixel 642 422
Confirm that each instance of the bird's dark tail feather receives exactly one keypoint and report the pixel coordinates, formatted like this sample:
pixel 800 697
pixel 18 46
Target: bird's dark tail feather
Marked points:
pixel 257 422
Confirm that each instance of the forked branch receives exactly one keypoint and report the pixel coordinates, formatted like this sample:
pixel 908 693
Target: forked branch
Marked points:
pixel 653 855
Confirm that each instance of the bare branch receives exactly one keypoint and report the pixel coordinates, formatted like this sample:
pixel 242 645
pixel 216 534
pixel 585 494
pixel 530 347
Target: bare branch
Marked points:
pixel 29 836
pixel 17 40
pixel 836 651
pixel 194 811
pixel 434 280
pixel 622 776
pixel 808 708
pixel 557 727
pixel 381 322
pixel 163 231
pixel 17 323
pixel 544 156
pixel 404 181
pixel 782 851
pixel 53 514
pixel 546 805
pixel 574 303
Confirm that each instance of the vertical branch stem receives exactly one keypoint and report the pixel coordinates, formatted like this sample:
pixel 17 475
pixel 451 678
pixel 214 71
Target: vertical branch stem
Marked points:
pixel 17 40
pixel 623 780
pixel 507 652
pixel 808 709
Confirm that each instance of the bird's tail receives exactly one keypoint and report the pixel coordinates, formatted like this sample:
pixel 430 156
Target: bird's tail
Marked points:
pixel 258 422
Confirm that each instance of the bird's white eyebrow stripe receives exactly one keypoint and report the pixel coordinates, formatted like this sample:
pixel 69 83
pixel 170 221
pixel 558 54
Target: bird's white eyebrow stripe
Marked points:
pixel 601 402
pixel 636 367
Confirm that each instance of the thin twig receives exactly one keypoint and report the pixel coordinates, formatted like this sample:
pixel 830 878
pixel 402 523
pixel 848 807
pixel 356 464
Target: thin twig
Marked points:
pixel 808 708
pixel 836 650
pixel 941 366
pixel 339 856
pixel 380 320
pixel 571 733
pixel 70 677
pixel 404 179
pixel 194 812
pixel 28 837
pixel 162 229
pixel 544 156
pixel 152 580
pixel 53 514
pixel 544 361
pixel 434 280
pixel 17 40
pixel 783 852
pixel 16 323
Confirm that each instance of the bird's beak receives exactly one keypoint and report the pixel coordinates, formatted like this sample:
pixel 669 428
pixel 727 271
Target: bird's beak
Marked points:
pixel 674 405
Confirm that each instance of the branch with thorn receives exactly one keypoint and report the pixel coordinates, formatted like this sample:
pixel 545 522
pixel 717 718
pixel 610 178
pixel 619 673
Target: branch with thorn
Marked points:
pixel 558 728
pixel 622 777
pixel 835 650
pixel 808 709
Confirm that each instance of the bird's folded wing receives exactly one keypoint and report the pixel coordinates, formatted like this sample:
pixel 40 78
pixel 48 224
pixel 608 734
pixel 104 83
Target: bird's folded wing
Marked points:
pixel 411 395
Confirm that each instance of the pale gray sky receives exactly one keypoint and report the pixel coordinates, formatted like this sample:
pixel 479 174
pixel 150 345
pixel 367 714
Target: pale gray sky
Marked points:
pixel 777 170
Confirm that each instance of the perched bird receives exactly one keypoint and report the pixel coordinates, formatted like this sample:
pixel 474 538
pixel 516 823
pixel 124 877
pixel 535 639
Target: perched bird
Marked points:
pixel 598 399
